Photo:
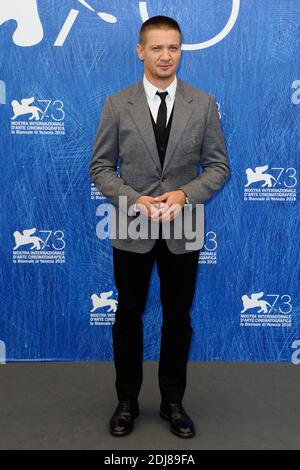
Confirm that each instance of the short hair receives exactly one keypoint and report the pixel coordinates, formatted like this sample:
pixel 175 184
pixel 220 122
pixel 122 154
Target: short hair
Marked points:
pixel 158 22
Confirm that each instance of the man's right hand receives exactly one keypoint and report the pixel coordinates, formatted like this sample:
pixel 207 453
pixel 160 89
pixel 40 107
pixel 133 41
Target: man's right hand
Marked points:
pixel 148 206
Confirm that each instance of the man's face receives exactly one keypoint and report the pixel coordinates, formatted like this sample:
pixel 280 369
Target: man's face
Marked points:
pixel 160 53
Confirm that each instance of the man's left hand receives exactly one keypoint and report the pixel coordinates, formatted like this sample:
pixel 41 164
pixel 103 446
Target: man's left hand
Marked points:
pixel 171 204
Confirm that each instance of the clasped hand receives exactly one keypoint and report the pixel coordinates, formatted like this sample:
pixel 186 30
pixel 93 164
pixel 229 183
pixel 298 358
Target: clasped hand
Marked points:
pixel 162 208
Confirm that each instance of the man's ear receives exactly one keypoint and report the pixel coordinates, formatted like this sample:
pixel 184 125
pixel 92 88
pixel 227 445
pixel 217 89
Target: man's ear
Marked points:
pixel 140 52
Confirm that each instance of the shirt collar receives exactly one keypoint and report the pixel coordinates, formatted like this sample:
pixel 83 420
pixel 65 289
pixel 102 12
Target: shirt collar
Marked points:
pixel 151 89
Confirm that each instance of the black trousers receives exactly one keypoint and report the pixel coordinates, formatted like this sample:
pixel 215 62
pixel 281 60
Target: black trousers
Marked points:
pixel 132 272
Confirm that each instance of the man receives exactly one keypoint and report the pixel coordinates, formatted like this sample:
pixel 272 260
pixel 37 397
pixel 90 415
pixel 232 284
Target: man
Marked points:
pixel 161 128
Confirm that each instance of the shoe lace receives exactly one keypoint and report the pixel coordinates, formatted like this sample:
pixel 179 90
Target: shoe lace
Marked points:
pixel 177 410
pixel 124 406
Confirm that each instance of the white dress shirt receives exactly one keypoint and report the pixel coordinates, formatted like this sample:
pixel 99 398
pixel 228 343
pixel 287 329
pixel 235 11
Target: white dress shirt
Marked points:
pixel 154 100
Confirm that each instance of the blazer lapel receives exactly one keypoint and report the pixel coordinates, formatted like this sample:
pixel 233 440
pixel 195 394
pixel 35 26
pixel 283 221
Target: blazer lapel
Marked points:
pixel 141 116
pixel 181 115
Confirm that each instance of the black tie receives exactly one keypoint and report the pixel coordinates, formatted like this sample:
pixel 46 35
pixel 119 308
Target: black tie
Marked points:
pixel 161 121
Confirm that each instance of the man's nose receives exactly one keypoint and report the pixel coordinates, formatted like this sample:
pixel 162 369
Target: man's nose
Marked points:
pixel 165 54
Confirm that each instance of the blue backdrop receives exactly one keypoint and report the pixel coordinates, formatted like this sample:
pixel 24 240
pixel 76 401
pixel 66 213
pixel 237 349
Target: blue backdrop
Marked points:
pixel 59 60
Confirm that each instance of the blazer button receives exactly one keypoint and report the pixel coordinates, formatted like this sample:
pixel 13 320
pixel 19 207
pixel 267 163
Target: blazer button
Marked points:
pixel 163 178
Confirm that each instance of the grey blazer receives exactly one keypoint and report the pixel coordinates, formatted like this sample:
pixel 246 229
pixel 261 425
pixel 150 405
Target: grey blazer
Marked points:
pixel 126 131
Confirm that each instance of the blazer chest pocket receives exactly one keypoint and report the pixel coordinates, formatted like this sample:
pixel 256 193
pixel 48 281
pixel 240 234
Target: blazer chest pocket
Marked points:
pixel 192 142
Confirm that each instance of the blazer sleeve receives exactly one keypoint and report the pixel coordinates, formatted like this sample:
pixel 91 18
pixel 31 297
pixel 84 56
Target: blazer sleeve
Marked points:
pixel 103 165
pixel 213 159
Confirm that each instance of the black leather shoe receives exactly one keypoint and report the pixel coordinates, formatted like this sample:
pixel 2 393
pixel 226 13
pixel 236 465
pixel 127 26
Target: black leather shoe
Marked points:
pixel 181 423
pixel 121 423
